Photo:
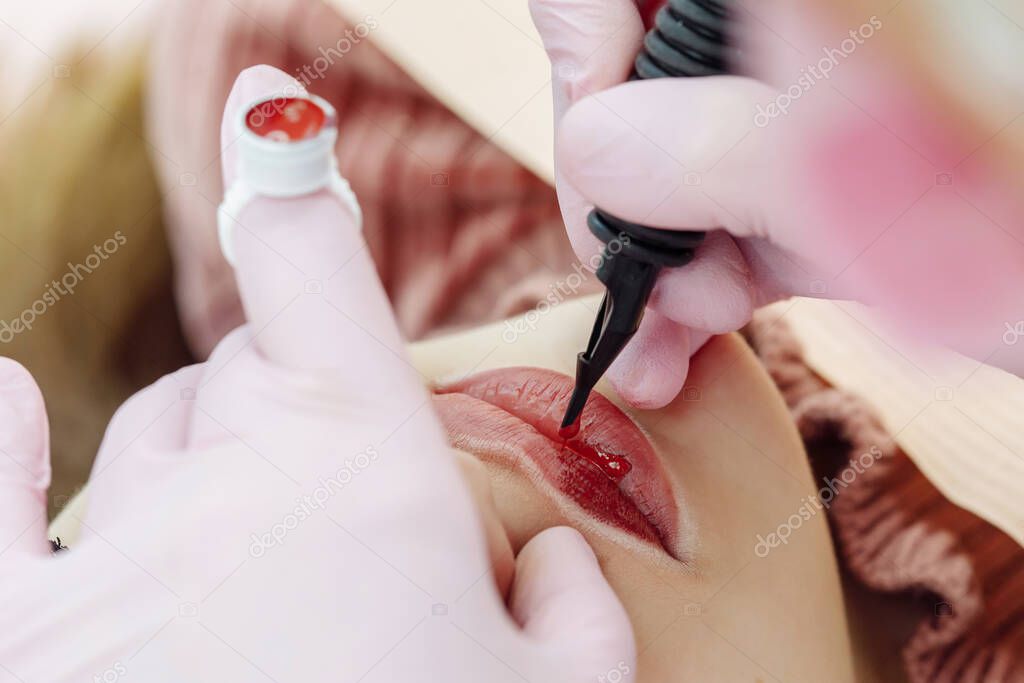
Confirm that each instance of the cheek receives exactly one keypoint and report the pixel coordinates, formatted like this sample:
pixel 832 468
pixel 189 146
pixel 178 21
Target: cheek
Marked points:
pixel 499 549
pixel 523 511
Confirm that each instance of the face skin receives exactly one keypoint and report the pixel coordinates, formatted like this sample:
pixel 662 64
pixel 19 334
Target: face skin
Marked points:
pixel 737 469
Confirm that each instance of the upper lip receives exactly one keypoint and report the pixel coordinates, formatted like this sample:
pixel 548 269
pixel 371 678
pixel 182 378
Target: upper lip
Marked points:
pixel 512 415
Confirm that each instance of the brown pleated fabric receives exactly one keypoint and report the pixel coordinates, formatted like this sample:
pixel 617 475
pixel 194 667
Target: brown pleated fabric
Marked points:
pixel 897 533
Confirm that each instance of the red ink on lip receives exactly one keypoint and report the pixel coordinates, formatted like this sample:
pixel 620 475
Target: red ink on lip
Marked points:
pixel 620 482
pixel 613 465
pixel 569 431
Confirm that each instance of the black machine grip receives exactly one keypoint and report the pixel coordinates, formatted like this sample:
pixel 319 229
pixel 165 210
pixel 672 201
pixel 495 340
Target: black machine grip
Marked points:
pixel 689 38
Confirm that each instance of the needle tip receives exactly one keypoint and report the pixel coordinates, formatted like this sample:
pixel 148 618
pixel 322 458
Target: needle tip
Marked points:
pixel 580 393
pixel 569 431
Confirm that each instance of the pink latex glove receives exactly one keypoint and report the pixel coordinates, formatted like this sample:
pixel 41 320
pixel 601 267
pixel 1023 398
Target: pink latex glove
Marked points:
pixel 195 562
pixel 859 189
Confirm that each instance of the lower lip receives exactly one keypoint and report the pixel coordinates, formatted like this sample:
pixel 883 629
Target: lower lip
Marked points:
pixel 511 416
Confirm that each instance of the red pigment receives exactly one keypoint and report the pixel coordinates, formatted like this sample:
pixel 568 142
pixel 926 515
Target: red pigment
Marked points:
pixel 569 431
pixel 648 9
pixel 286 120
pixel 614 466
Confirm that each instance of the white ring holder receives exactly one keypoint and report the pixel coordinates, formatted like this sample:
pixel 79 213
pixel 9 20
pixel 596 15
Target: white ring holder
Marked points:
pixel 273 163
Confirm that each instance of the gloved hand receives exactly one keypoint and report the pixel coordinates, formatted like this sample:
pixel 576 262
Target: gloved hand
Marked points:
pixel 288 510
pixel 841 180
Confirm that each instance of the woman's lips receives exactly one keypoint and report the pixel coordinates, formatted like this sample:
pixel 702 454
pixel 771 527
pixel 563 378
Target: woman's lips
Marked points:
pixel 610 470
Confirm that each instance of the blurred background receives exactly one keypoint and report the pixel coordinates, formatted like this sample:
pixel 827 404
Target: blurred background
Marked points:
pixel 76 170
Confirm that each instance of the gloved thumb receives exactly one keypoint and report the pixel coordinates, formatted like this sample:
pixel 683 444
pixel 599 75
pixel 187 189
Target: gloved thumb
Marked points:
pixel 564 603
pixel 24 465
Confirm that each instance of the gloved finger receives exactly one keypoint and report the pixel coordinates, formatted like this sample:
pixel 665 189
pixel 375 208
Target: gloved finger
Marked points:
pixel 563 601
pixel 24 465
pixel 652 369
pixel 675 153
pixel 714 292
pixel 591 45
pixel 154 420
